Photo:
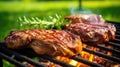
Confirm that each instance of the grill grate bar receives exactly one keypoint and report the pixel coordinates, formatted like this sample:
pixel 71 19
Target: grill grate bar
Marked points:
pixel 21 57
pixel 113 44
pixel 11 60
pixel 117 35
pixel 79 59
pixel 55 60
pixel 112 58
pixel 117 40
pixel 117 32
pixel 118 29
pixel 104 48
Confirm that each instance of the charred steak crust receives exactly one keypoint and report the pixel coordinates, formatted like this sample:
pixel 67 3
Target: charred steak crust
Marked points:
pixel 51 42
pixel 91 28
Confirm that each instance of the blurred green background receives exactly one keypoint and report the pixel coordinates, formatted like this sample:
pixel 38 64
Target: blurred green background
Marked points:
pixel 10 10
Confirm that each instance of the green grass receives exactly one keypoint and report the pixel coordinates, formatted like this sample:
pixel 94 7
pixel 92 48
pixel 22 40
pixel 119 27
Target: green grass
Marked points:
pixel 10 11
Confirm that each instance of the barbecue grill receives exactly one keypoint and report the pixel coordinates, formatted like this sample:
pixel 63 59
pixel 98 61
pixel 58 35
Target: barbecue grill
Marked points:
pixel 18 56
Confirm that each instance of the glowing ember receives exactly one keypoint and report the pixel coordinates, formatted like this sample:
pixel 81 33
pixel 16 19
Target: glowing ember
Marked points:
pixel 71 61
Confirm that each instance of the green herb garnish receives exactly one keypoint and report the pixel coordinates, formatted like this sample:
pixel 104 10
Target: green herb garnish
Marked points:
pixel 50 22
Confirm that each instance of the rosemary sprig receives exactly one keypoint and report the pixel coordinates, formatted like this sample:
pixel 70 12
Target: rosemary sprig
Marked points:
pixel 50 22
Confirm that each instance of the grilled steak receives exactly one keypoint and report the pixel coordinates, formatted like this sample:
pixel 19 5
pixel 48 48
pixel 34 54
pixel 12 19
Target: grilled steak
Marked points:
pixel 85 18
pixel 18 39
pixel 91 28
pixel 51 42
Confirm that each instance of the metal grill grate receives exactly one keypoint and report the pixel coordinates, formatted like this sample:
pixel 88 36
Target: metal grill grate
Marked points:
pixel 16 57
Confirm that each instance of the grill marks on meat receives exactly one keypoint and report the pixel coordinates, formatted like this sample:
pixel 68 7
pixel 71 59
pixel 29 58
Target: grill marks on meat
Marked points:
pixel 88 33
pixel 51 42
pixel 58 42
pixel 85 18
pixel 17 40
pixel 91 28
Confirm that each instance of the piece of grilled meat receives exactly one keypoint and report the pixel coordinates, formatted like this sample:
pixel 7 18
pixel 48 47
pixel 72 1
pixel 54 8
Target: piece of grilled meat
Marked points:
pixel 85 18
pixel 50 42
pixel 18 39
pixel 91 28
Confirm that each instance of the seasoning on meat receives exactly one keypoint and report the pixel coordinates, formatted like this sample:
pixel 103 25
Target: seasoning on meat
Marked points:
pixel 91 28
pixel 51 42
